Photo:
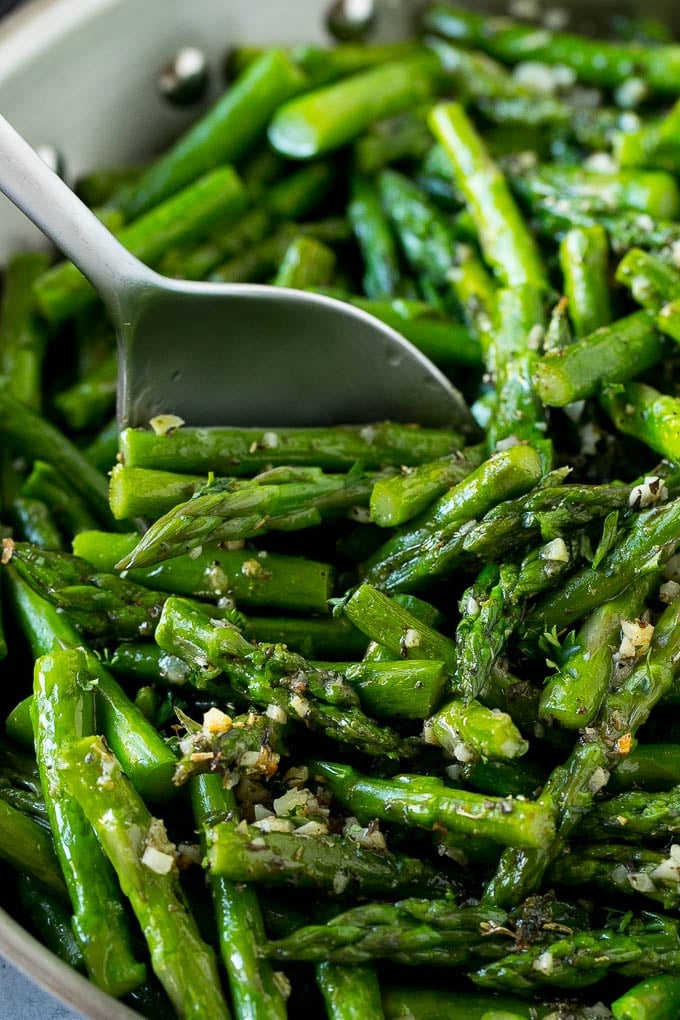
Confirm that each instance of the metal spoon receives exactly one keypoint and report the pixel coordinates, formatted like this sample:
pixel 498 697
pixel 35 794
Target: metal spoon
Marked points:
pixel 236 354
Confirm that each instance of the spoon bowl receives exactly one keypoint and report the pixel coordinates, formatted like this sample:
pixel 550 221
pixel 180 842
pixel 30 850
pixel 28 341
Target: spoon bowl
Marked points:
pixel 230 354
pixel 249 354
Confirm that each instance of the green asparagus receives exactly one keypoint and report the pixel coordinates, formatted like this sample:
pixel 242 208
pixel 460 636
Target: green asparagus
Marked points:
pixel 143 858
pixel 428 803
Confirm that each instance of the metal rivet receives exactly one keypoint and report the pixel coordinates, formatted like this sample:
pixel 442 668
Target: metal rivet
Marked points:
pixel 350 20
pixel 184 79
pixel 54 159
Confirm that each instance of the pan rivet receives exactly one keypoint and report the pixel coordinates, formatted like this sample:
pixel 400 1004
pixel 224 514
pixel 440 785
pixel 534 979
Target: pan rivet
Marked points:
pixel 184 78
pixel 350 20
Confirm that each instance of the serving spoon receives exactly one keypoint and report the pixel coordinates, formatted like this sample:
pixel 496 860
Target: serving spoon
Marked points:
pixel 230 354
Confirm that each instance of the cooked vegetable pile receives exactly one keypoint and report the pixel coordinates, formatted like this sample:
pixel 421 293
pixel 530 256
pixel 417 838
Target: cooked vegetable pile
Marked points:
pixel 375 720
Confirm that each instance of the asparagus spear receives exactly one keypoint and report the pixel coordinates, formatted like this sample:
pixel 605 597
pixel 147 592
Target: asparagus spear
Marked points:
pixel 668 319
pixel 146 757
pixel 251 578
pixel 255 993
pixel 428 803
pixel 22 335
pixel 511 358
pixel 504 322
pixel 644 548
pixel 288 199
pixel 70 511
pixel 612 354
pixel 553 217
pixel 314 637
pixel 652 192
pixel 649 766
pixel 27 847
pixel 654 144
pixel 50 916
pixel 493 90
pixel 330 117
pixel 551 510
pixel 494 606
pixel 63 290
pixel 281 499
pixel 34 438
pixel 350 993
pixel 632 815
pixel 597 62
pixel 651 281
pixel 401 632
pixel 102 451
pixel 322 64
pixel 656 998
pixel 259 262
pixel 142 492
pixel 558 334
pixel 647 946
pixel 474 728
pixel 92 399
pixel 376 242
pixel 474 291
pixel 143 859
pixel 395 689
pixel 522 105
pixel 417 553
pixel 18 725
pixel 396 500
pixel 568 792
pixel 467 730
pixel 271 675
pixel 390 141
pixel 33 522
pixel 63 710
pixel 655 285
pixel 506 243
pixel 433 1003
pixel 408 932
pixel 584 260
pixel 145 662
pixel 223 134
pixel 425 234
pixel 195 260
pixel 306 263
pixel 571 788
pixel 504 778
pixel 424 612
pixel 624 869
pixel 335 864
pixel 239 452
pixel 643 412
pixel 98 604
pixel 573 695
pixel 628 707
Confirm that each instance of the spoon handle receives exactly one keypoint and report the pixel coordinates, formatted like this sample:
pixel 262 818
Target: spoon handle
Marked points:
pixel 30 184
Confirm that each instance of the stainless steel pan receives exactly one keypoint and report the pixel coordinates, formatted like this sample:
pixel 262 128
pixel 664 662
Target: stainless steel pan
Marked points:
pixel 82 75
